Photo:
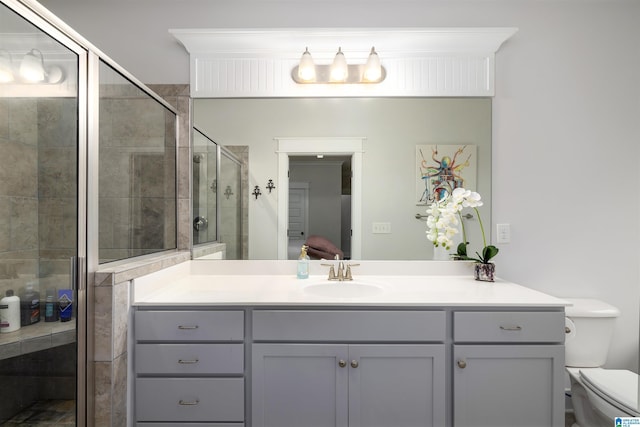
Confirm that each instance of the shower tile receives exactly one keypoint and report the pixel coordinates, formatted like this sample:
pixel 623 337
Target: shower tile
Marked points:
pixel 103 317
pixel 119 387
pixel 23 125
pixel 120 318
pixel 102 394
pixel 57 122
pixel 18 170
pixel 4 118
pixel 24 224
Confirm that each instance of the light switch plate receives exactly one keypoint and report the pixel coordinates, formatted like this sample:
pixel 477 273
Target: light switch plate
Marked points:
pixel 381 228
pixel 503 233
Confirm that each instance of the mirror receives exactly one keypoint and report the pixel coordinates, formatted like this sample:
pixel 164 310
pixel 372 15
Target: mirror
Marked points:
pixel 391 128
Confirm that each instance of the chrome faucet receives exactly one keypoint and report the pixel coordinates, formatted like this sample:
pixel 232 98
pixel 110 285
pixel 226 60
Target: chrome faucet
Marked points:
pixel 344 271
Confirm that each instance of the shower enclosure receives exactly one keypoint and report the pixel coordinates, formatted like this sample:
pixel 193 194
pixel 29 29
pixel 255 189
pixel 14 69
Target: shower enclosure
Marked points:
pixel 87 176
pixel 217 197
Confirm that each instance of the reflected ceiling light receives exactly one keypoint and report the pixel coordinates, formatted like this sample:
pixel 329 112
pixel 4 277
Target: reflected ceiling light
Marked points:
pixel 339 68
pixel 306 69
pixel 32 69
pixel 6 67
pixel 339 71
pixel 32 66
pixel 373 69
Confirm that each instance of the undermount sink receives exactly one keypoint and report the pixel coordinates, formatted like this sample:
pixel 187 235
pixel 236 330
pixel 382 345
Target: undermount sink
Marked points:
pixel 344 289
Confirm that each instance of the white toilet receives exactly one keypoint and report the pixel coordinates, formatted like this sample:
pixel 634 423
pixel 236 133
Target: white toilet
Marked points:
pixel 598 395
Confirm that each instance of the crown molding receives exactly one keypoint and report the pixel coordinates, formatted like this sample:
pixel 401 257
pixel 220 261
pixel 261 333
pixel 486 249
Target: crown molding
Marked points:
pixel 419 61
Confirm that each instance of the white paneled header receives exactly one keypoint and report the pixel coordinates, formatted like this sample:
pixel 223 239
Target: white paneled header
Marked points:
pixel 419 61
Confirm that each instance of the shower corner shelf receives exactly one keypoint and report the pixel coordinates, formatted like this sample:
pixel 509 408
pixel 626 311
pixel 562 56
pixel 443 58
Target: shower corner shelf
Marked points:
pixel 40 336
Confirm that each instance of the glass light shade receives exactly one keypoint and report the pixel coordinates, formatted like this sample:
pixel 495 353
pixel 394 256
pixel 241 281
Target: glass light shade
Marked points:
pixel 373 69
pixel 306 68
pixel 339 68
pixel 32 66
pixel 6 73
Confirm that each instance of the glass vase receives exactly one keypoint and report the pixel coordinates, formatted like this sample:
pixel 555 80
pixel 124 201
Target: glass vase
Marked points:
pixel 484 272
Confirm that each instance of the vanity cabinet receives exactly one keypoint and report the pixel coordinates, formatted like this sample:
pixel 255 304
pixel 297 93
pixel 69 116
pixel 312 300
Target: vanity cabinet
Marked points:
pixel 349 367
pixel 311 380
pixel 189 368
pixel 508 369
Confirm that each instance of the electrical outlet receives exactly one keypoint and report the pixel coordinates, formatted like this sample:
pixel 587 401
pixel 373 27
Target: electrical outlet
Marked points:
pixel 381 228
pixel 503 233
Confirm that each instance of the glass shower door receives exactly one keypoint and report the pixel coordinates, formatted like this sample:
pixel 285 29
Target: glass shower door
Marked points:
pixel 39 143
pixel 230 231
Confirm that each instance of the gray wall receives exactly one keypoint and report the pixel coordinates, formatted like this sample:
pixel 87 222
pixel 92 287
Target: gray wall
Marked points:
pixel 565 118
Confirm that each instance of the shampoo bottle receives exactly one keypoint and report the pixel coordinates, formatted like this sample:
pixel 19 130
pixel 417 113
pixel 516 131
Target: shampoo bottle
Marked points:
pixel 51 312
pixel 29 306
pixel 9 312
pixel 303 263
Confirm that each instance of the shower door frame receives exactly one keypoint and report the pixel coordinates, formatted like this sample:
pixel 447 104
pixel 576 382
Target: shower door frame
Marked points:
pixel 41 18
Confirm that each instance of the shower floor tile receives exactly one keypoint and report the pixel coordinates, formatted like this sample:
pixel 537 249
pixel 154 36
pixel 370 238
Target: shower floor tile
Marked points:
pixel 49 413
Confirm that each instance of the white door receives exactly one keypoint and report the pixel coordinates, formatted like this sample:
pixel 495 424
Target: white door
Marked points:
pixel 298 217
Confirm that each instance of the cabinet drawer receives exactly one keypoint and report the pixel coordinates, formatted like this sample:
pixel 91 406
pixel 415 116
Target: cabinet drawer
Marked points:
pixel 189 325
pixel 190 399
pixel 185 359
pixel 508 326
pixel 351 326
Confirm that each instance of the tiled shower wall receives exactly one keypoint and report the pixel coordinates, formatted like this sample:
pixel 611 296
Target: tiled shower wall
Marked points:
pixel 38 140
pixel 112 285
pixel 37 191
pixel 137 174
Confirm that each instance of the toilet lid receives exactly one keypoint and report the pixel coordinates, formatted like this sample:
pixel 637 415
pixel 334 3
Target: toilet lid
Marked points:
pixel 618 386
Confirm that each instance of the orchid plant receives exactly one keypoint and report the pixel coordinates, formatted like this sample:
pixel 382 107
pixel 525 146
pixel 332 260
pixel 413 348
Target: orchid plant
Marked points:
pixel 444 217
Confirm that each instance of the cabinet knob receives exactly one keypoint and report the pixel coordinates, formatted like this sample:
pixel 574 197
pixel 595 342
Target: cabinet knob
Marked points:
pixel 354 364
pixel 462 364
pixel 342 363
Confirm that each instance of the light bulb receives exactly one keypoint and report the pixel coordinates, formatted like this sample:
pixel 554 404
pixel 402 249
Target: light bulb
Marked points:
pixel 6 71
pixel 373 69
pixel 339 68
pixel 32 66
pixel 306 69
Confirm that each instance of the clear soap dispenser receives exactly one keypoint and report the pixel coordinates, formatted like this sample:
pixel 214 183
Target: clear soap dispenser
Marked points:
pixel 303 263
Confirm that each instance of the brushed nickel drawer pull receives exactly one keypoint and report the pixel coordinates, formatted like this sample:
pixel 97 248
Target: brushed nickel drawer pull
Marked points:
pixel 187 326
pixel 511 328
pixel 187 362
pixel 187 403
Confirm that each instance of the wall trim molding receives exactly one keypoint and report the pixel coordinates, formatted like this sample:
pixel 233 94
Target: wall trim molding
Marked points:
pixel 348 146
pixel 243 63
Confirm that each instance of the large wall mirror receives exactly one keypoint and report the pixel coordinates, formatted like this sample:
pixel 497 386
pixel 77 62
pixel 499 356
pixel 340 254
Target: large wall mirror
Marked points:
pixel 390 128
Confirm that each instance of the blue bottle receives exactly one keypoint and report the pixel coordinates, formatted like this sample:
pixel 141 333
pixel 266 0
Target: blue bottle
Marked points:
pixel 303 263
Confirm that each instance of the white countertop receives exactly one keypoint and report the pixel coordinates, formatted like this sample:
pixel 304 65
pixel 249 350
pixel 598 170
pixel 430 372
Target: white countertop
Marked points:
pixel 187 286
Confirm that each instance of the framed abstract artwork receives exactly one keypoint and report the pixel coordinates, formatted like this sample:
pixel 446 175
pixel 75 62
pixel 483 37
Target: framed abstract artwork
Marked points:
pixel 442 168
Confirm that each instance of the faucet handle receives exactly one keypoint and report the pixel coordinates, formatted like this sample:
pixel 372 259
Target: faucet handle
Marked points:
pixel 332 271
pixel 347 275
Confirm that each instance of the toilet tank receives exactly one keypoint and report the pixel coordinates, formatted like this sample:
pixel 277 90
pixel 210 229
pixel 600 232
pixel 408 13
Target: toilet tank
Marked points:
pixel 589 328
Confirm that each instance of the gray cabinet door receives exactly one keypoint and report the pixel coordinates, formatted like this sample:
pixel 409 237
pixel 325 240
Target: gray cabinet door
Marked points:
pixel 508 386
pixel 299 385
pixel 399 385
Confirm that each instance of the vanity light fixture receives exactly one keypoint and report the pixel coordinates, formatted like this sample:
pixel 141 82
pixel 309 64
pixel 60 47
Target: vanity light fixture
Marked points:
pixel 270 185
pixel 6 67
pixel 338 71
pixel 32 69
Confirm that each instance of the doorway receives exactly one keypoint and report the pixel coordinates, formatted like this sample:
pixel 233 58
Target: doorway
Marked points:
pixel 346 147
